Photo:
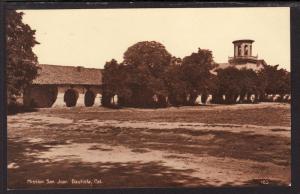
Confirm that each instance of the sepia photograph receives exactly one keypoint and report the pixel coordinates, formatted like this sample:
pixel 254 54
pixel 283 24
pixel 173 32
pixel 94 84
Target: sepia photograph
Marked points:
pixel 148 98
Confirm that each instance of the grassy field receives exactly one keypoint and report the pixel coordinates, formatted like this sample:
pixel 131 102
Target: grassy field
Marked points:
pixel 200 146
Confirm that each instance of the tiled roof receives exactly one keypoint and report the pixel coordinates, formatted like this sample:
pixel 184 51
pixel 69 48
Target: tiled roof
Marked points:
pixel 56 74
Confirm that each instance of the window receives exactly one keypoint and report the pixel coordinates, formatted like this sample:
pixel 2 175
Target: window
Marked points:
pixel 246 50
pixel 239 50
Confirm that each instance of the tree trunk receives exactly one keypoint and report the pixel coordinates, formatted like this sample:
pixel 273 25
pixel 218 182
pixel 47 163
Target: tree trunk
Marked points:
pixel 204 97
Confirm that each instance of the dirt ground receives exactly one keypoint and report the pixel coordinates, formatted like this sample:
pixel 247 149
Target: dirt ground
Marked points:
pixel 200 146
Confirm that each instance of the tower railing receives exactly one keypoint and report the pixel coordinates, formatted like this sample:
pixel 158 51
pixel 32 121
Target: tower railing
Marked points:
pixel 243 57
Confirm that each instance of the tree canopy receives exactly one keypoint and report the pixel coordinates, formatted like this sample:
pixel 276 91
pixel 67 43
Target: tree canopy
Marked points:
pixel 151 76
pixel 140 76
pixel 242 83
pixel 275 80
pixel 21 62
pixel 196 73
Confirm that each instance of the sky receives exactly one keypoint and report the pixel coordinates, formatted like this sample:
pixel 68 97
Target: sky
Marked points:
pixel 91 37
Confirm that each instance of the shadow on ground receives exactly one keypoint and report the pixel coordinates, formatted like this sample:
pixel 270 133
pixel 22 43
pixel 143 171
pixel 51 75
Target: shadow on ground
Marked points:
pixel 111 174
pixel 16 108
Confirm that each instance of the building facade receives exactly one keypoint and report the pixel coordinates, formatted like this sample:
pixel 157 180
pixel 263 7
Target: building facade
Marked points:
pixel 64 86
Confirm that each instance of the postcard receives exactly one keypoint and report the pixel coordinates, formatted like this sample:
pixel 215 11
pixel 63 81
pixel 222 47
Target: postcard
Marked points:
pixel 148 98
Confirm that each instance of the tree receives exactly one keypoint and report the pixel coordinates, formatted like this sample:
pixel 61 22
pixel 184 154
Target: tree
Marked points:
pixel 236 83
pixel 228 84
pixel 21 62
pixel 248 84
pixel 150 54
pixel 274 81
pixel 177 87
pixel 146 64
pixel 196 70
pixel 115 82
pixel 111 81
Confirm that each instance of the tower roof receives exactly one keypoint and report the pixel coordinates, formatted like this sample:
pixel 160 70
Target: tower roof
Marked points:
pixel 243 40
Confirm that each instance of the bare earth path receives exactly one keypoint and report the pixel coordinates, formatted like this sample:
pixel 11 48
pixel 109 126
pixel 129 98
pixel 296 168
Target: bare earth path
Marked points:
pixel 216 145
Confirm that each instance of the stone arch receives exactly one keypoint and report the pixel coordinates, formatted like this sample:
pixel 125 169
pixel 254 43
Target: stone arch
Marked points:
pixel 40 96
pixel 70 97
pixel 89 98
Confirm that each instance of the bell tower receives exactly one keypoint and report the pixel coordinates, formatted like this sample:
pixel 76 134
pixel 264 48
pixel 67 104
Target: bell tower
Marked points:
pixel 243 48
pixel 242 52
